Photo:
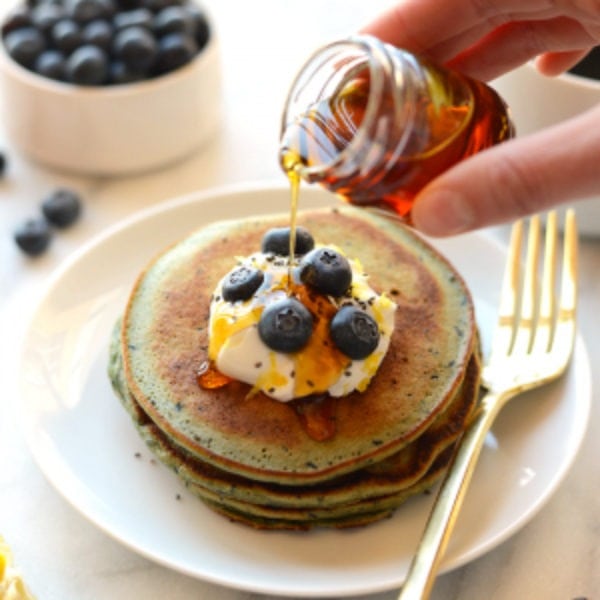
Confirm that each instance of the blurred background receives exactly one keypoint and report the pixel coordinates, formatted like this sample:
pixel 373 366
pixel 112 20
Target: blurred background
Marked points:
pixel 261 46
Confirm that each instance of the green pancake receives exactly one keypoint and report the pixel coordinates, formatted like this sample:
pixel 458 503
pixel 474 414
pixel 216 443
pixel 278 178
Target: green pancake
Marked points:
pixel 365 495
pixel 163 341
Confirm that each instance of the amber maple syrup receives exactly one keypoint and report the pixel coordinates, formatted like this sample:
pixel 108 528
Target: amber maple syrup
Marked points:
pixel 294 178
pixel 383 128
pixel 210 378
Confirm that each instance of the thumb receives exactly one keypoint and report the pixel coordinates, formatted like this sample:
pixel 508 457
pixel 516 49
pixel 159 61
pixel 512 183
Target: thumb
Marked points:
pixel 516 178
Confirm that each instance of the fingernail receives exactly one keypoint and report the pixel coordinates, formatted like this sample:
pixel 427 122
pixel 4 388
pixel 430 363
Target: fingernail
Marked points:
pixel 442 212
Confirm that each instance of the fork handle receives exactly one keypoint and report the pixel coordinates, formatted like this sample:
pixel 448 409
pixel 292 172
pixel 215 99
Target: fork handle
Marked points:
pixel 442 518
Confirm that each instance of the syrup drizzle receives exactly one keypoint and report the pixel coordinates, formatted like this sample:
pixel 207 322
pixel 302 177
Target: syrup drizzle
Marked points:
pixel 294 177
pixel 316 413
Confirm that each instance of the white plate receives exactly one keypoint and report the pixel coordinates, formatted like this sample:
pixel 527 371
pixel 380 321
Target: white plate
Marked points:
pixel 88 448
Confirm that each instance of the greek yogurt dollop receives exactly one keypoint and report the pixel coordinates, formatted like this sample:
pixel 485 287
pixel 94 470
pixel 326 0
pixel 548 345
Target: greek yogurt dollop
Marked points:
pixel 236 349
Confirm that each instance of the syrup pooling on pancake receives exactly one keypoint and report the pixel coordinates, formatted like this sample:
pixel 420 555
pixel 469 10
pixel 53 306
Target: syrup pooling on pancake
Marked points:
pixel 318 460
pixel 294 330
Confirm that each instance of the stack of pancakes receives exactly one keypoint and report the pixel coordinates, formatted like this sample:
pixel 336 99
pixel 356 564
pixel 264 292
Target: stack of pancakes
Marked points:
pixel 251 457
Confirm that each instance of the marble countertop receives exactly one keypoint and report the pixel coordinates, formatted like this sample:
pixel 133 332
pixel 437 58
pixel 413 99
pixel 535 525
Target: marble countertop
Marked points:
pixel 65 557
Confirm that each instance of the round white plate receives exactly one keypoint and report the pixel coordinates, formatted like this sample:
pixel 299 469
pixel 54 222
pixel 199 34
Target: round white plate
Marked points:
pixel 86 445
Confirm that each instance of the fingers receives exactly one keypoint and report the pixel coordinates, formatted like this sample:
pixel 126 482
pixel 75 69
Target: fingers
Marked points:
pixel 555 63
pixel 432 27
pixel 419 25
pixel 485 39
pixel 515 44
pixel 519 177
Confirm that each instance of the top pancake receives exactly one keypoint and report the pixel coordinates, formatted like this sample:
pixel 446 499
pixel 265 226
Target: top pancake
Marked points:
pixel 164 341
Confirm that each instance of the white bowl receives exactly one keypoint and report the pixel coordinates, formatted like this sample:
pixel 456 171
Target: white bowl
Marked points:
pixel 112 130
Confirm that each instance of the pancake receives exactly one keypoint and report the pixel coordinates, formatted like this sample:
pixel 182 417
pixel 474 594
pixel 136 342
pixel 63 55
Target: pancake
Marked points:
pixel 251 457
pixel 164 342
pixel 344 501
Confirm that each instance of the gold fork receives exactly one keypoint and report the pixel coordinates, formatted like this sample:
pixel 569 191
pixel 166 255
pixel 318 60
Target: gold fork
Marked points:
pixel 532 346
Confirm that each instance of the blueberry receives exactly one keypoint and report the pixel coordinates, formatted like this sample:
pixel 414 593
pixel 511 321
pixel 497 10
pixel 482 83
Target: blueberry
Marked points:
pixel 66 35
pixel 241 283
pixel 136 47
pixel 354 332
pixel 174 19
pixel 110 7
pixel 51 64
pixel 67 26
pixel 25 45
pixel 62 207
pixel 84 11
pixel 157 5
pixel 129 4
pixel 174 51
pixel 285 325
pixel 277 241
pixel 140 17
pixel 88 65
pixel 326 271
pixel 119 73
pixel 16 19
pixel 201 26
pixel 33 237
pixel 46 15
pixel 98 33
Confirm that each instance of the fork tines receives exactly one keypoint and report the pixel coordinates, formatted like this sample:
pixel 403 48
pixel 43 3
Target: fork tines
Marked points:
pixel 529 318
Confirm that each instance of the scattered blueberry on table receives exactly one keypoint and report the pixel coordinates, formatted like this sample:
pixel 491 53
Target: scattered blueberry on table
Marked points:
pixel 104 42
pixel 60 209
pixel 33 236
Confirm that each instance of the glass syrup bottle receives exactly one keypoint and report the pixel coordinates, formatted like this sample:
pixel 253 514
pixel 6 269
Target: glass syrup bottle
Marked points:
pixel 374 123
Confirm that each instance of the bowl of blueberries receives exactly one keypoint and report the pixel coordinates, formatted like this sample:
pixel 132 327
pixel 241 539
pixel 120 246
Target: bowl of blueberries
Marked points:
pixel 108 87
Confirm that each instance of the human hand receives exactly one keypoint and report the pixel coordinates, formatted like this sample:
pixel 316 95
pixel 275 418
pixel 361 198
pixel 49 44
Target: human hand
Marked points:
pixel 484 39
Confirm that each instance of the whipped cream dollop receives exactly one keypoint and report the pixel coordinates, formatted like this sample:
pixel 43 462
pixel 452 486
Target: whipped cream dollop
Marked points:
pixel 237 350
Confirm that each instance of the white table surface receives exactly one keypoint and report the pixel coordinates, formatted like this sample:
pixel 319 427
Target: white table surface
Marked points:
pixel 62 555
